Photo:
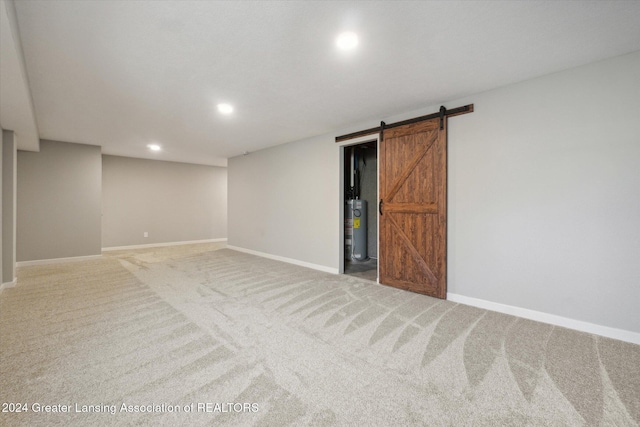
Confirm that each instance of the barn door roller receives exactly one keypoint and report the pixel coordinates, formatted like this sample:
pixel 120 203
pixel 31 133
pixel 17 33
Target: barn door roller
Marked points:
pixel 441 114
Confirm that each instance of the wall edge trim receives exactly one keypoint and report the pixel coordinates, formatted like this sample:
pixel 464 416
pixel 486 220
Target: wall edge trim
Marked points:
pixel 553 319
pixel 156 245
pixel 7 285
pixel 285 259
pixel 56 260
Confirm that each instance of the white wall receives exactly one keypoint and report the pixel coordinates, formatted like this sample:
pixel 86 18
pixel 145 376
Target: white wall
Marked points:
pixel 2 237
pixel 544 195
pixel 284 201
pixel 171 201
pixel 9 143
pixel 59 191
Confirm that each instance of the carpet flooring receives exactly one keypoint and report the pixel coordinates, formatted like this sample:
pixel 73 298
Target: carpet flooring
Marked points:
pixel 203 335
pixel 365 269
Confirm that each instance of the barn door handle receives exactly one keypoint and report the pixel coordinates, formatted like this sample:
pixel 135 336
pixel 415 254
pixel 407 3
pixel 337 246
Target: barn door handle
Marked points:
pixel 380 207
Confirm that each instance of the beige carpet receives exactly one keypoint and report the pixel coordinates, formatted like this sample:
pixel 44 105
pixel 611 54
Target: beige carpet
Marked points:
pixel 191 325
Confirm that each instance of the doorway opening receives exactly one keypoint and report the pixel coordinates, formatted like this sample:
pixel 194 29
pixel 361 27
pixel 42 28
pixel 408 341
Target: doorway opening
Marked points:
pixel 411 201
pixel 359 207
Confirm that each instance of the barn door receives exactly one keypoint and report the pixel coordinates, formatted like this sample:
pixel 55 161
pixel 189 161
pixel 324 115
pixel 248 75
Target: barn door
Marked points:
pixel 413 207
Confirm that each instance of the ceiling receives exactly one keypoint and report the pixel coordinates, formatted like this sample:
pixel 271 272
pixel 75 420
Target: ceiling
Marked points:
pixel 125 74
pixel 16 108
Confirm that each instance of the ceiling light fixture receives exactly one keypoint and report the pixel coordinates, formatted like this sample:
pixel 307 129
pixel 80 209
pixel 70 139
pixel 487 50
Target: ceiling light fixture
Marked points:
pixel 154 147
pixel 347 40
pixel 225 108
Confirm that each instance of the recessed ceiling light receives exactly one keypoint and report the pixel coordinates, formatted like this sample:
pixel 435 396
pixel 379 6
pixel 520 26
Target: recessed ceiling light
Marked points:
pixel 225 108
pixel 347 40
pixel 154 147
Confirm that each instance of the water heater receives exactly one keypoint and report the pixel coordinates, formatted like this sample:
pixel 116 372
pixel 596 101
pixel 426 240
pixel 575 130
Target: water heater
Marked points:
pixel 356 230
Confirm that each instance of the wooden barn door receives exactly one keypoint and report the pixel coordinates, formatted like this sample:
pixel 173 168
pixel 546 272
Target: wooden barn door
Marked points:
pixel 413 207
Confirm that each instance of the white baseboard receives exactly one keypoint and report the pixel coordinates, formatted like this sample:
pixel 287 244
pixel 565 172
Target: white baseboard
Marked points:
pixel 56 260
pixel 7 285
pixel 285 259
pixel 157 245
pixel 565 322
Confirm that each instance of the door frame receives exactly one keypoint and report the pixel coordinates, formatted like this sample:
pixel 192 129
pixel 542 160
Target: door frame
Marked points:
pixel 374 137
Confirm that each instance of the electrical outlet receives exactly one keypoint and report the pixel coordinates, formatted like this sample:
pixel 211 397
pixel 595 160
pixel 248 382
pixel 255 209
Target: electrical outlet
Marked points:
pixel 146 234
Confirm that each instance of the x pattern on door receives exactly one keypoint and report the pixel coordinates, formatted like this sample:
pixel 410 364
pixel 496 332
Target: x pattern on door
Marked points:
pixel 413 199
